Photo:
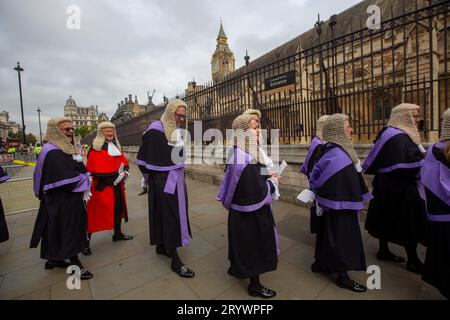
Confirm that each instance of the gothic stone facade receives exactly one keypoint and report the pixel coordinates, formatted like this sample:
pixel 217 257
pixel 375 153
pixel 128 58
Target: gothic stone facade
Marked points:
pixel 349 68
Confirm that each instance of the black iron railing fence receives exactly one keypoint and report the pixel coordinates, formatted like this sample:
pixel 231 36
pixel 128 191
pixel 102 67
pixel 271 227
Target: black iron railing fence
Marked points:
pixel 362 73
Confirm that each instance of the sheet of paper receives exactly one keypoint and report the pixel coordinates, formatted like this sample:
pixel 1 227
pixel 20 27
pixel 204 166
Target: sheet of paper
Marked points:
pixel 306 196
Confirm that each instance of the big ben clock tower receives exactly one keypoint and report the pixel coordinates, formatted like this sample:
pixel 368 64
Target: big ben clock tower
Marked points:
pixel 222 61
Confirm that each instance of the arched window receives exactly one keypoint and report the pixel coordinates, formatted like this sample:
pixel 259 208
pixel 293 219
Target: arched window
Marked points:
pixel 383 103
pixel 361 72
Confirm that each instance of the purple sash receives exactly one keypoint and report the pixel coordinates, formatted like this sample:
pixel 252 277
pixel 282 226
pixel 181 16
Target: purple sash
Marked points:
pixel 4 178
pixel 436 177
pixel 345 205
pixel 82 181
pixel 253 207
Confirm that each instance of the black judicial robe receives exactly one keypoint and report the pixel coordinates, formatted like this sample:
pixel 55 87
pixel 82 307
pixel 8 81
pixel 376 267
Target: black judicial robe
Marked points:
pixel 341 192
pixel 167 194
pixel 397 212
pixel 435 175
pixel 59 183
pixel 4 234
pixel 253 246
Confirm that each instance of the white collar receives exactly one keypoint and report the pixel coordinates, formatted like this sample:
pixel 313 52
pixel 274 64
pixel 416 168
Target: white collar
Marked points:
pixel 270 167
pixel 112 150
pixel 180 142
pixel 358 166
pixel 267 161
pixel 422 149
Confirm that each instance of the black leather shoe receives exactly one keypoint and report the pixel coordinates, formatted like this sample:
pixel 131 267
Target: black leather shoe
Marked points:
pixel 49 265
pixel 231 273
pixel 261 292
pixel 87 251
pixel 389 257
pixel 122 237
pixel 184 272
pixel 416 267
pixel 161 250
pixel 85 275
pixel 349 284
pixel 142 192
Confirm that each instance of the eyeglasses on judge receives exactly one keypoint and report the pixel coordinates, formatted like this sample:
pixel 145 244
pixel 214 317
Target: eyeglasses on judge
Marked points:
pixel 180 116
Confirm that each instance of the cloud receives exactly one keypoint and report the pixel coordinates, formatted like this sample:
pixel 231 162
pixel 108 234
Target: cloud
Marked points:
pixel 132 47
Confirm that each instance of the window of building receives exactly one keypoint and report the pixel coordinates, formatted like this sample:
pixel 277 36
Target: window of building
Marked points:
pixel 383 103
pixel 360 72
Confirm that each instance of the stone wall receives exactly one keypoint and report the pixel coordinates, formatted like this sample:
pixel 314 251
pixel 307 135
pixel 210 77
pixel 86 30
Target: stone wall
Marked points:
pixel 293 180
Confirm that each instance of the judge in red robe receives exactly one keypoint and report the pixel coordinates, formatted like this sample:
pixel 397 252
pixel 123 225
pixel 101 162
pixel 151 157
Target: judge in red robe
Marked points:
pixel 109 169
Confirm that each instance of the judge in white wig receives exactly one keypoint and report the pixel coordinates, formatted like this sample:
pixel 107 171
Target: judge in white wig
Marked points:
pixel 109 169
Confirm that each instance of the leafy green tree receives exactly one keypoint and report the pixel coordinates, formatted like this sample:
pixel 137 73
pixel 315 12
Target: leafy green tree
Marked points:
pixel 19 135
pixel 31 138
pixel 12 134
pixel 82 131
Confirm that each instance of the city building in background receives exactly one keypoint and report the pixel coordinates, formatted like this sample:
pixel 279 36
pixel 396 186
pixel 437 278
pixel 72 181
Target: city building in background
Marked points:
pixel 7 126
pixel 128 109
pixel 83 116
pixel 343 64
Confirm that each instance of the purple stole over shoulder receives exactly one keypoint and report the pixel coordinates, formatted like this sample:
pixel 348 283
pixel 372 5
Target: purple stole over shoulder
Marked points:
pixel 330 164
pixel 231 179
pixel 389 133
pixel 82 179
pixel 175 180
pixel 314 143
pixel 436 177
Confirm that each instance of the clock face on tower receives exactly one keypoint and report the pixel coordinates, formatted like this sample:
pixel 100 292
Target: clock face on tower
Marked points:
pixel 215 67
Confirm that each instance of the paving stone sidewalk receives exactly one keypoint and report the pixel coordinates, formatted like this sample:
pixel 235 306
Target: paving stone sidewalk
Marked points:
pixel 133 270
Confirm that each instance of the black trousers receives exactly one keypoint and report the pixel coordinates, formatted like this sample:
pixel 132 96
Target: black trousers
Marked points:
pixel 118 208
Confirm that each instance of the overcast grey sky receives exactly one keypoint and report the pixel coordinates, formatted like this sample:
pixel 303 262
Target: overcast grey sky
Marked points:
pixel 132 47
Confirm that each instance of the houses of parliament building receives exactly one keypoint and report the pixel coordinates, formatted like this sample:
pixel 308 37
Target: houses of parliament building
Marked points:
pixel 340 65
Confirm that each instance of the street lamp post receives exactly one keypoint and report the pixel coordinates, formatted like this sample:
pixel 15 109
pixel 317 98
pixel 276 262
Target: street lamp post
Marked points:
pixel 40 131
pixel 19 69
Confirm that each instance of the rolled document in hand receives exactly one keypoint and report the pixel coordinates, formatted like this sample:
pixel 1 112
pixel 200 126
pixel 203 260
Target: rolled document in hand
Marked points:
pixel 306 196
pixel 283 166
